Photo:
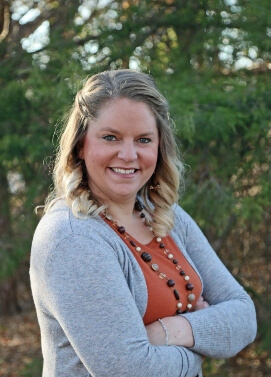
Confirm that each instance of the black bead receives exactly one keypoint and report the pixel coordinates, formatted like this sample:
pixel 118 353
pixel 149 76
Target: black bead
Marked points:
pixel 142 215
pixel 138 206
pixel 162 245
pixel 175 261
pixel 171 283
pixel 178 311
pixel 182 272
pixel 176 294
pixel 132 243
pixel 121 229
pixel 146 257
pixel 189 287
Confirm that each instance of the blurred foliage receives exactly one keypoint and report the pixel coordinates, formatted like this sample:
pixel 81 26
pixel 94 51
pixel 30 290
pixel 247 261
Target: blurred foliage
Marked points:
pixel 211 59
pixel 32 369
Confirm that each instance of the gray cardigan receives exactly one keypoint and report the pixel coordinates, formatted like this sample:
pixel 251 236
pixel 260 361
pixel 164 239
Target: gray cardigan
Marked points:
pixel 90 295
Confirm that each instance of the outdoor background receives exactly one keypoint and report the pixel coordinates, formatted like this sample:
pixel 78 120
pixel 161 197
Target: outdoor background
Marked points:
pixel 212 60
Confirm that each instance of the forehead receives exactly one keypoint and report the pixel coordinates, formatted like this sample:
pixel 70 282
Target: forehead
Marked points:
pixel 124 111
pixel 126 105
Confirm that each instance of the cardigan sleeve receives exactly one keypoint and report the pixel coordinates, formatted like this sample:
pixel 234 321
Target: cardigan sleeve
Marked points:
pixel 229 324
pixel 88 295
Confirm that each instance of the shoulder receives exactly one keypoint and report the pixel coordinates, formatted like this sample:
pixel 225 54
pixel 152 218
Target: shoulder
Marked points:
pixel 60 227
pixel 182 220
pixel 60 223
pixel 186 228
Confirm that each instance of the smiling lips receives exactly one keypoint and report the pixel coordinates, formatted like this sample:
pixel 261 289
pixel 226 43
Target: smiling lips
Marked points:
pixel 123 171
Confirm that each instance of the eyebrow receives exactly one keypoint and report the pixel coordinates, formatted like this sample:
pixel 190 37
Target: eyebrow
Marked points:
pixel 108 129
pixel 115 131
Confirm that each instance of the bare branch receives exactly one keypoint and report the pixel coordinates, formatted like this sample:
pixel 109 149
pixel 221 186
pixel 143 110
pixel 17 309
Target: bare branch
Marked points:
pixel 4 21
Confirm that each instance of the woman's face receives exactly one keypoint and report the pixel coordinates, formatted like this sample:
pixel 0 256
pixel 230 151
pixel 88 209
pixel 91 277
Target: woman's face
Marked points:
pixel 120 150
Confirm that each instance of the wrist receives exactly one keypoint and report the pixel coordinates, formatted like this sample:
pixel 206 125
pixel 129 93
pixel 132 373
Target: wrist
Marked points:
pixel 165 330
pixel 180 331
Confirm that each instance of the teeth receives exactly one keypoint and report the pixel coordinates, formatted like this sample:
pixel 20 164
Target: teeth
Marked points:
pixel 123 171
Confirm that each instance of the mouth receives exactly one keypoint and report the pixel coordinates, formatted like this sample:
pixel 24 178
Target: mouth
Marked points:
pixel 123 171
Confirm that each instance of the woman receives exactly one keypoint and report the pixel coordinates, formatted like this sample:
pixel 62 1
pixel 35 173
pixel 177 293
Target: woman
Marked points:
pixel 118 269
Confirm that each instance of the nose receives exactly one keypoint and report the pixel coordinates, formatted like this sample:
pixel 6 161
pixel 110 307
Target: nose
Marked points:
pixel 127 152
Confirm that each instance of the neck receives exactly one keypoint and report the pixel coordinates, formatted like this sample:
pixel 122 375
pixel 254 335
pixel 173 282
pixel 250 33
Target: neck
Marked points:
pixel 122 212
pixel 137 224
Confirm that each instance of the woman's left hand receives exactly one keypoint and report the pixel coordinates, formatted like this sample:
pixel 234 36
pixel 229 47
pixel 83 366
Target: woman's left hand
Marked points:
pixel 201 304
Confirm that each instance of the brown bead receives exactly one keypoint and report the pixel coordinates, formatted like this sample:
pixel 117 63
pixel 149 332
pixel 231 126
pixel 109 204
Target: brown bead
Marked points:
pixel 182 272
pixel 189 287
pixel 121 229
pixel 161 245
pixel 142 215
pixel 138 206
pixel 146 257
pixel 176 294
pixel 171 283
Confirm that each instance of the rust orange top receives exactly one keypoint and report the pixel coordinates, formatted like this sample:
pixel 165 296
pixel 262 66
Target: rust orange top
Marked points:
pixel 167 264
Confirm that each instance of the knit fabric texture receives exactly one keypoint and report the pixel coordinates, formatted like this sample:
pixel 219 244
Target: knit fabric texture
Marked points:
pixel 90 296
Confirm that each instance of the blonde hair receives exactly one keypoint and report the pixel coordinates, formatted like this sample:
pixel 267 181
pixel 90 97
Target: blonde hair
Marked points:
pixel 70 176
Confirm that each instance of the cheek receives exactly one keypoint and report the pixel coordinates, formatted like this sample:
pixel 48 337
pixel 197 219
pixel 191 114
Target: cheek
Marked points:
pixel 96 160
pixel 90 152
pixel 150 160
pixel 154 155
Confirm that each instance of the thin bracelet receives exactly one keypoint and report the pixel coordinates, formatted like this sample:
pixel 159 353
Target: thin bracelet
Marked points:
pixel 165 329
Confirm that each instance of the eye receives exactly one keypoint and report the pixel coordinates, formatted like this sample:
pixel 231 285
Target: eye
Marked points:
pixel 144 140
pixel 109 137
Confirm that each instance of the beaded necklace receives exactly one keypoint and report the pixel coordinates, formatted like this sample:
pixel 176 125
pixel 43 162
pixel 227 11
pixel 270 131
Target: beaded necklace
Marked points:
pixel 147 258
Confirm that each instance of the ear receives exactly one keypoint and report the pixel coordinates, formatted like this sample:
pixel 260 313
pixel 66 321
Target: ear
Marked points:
pixel 80 149
pixel 81 154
